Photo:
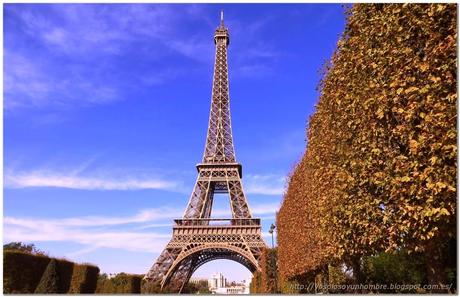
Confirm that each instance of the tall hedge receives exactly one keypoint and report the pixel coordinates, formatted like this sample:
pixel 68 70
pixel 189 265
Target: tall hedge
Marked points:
pixel 302 247
pixel 266 279
pixel 49 282
pixel 22 273
pixel 84 279
pixel 379 172
pixel 269 271
pixel 122 283
pixel 256 284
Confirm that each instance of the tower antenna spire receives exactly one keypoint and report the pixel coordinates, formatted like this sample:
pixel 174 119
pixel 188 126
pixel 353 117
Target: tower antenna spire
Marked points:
pixel 222 17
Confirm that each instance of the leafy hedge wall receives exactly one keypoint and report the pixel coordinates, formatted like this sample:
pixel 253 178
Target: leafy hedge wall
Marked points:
pixel 122 283
pixel 265 280
pixel 84 279
pixel 256 285
pixel 379 172
pixel 269 271
pixel 22 273
pixel 49 282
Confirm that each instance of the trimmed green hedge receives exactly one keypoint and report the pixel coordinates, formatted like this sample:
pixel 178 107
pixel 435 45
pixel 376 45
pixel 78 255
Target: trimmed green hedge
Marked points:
pixel 65 270
pixel 122 283
pixel 49 283
pixel 22 273
pixel 84 279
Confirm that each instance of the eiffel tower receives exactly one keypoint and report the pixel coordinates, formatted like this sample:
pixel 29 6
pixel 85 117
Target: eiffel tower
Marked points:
pixel 198 239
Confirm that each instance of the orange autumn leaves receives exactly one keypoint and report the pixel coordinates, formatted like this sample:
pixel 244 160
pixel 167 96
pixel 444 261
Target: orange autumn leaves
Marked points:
pixel 379 172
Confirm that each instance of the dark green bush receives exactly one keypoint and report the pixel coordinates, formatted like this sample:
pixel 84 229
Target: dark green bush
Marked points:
pixel 395 268
pixel 49 283
pixel 22 272
pixel 122 283
pixel 84 279
pixel 65 270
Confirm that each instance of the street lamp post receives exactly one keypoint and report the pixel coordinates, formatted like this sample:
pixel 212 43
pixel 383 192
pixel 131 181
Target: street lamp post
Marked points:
pixel 272 228
pixel 273 258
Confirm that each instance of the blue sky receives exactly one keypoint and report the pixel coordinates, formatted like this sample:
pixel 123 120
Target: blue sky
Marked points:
pixel 106 109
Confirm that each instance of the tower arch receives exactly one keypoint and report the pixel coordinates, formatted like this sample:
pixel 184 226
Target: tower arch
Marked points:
pixel 201 255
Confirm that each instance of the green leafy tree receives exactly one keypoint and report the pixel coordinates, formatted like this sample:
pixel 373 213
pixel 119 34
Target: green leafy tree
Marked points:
pixel 22 247
pixel 395 268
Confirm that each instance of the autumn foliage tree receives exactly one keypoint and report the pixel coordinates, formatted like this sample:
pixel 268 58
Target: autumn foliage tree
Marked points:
pixel 379 172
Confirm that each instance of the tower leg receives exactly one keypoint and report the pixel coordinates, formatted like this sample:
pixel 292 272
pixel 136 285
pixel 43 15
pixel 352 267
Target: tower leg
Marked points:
pixel 182 275
pixel 197 204
pixel 160 268
pixel 239 206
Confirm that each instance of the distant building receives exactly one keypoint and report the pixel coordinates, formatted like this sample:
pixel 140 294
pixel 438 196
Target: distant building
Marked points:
pixel 217 281
pixel 218 285
pixel 232 290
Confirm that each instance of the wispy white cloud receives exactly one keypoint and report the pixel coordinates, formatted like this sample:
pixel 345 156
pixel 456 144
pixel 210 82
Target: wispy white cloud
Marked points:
pixel 258 60
pixel 31 83
pixel 60 180
pixel 112 179
pixel 151 226
pixel 84 183
pixel 88 176
pixel 83 251
pixel 271 184
pixel 131 241
pixel 96 29
pixel 73 62
pixel 82 230
pixel 265 208
pixel 87 230
pixel 145 215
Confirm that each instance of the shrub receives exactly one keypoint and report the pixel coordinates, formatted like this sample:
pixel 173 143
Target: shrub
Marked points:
pixel 49 283
pixel 122 283
pixel 22 272
pixel 395 268
pixel 269 271
pixel 84 279
pixel 65 270
pixel 256 285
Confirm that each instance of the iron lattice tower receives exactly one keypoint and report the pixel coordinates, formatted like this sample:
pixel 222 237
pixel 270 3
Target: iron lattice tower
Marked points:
pixel 197 238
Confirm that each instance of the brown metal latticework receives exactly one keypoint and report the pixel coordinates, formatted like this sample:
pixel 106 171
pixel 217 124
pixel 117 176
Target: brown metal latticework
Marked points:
pixel 197 239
